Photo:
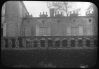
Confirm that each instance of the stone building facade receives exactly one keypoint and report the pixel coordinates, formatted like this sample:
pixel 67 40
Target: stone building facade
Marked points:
pixel 16 22
pixel 12 16
pixel 59 26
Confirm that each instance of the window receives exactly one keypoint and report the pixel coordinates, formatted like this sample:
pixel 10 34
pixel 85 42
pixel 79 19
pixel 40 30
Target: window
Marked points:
pixel 64 43
pixel 80 30
pixel 89 20
pixel 43 31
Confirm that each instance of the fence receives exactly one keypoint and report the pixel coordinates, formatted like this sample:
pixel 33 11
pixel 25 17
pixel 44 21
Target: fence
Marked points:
pixel 47 42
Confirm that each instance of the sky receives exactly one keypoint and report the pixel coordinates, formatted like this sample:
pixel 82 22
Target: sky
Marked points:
pixel 35 7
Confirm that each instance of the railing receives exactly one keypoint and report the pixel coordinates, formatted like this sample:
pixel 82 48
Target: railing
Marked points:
pixel 49 42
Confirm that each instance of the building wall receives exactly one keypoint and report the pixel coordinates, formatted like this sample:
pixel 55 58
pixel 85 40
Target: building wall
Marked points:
pixel 14 14
pixel 3 14
pixel 63 26
pixel 3 24
pixel 22 13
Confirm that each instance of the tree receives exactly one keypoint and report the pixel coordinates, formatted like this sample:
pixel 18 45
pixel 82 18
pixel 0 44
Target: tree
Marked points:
pixel 92 10
pixel 62 7
pixel 89 10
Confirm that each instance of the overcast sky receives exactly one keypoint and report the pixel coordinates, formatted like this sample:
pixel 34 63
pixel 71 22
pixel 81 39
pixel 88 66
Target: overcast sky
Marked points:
pixel 35 7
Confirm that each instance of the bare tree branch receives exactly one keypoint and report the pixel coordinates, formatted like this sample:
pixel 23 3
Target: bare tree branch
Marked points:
pixel 63 7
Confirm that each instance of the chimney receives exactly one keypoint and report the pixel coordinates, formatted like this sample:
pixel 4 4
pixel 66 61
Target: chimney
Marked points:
pixel 52 12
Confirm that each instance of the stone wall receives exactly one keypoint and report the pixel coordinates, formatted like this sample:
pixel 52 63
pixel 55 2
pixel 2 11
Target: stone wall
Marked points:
pixel 14 14
pixel 60 26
